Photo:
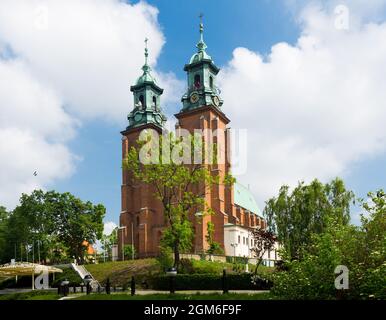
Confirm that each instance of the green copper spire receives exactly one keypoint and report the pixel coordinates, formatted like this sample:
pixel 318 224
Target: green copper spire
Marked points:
pixel 146 76
pixel 147 102
pixel 202 72
pixel 201 46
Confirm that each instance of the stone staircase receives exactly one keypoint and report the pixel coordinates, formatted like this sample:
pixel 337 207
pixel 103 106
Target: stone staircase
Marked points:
pixel 82 271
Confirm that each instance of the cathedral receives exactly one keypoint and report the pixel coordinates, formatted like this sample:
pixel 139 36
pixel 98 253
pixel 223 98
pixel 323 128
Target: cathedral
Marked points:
pixel 235 209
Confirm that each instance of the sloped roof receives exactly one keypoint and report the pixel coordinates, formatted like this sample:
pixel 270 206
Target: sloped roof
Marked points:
pixel 25 268
pixel 244 198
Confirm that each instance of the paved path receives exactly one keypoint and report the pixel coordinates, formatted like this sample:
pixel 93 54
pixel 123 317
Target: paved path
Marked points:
pixel 146 292
pixel 18 290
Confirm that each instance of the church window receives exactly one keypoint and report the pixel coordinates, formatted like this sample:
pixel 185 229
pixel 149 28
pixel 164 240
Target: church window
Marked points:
pixel 141 100
pixel 211 82
pixel 154 102
pixel 197 81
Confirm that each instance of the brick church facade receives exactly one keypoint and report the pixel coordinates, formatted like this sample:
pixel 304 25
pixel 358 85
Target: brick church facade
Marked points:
pixel 141 217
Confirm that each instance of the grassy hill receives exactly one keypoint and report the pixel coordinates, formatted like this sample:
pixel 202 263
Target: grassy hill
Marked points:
pixel 120 272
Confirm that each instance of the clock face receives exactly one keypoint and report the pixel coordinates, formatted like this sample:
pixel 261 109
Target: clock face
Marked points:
pixel 194 98
pixel 138 117
pixel 216 101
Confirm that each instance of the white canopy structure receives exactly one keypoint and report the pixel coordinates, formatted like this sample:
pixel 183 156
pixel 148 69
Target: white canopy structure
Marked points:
pixel 25 269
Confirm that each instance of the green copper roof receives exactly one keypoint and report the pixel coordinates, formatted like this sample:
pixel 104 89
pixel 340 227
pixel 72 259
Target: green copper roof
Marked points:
pixel 199 56
pixel 244 198
pixel 147 100
pixel 201 46
pixel 146 76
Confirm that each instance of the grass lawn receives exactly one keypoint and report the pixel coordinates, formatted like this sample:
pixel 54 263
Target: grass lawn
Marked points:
pixel 179 296
pixel 120 272
pixel 32 295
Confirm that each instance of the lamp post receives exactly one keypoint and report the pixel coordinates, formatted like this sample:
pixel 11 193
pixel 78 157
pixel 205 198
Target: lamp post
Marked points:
pixel 123 245
pixel 172 273
pixel 64 285
pixel 87 280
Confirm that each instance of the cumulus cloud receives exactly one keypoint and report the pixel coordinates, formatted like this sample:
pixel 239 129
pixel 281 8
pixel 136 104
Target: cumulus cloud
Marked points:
pixel 314 108
pixel 109 227
pixel 33 131
pixel 90 51
pixel 63 63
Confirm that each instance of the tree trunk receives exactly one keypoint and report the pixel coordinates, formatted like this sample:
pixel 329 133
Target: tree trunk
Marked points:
pixel 259 262
pixel 176 255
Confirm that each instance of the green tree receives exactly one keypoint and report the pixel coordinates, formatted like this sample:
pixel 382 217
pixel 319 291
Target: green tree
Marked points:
pixel 107 242
pixel 372 267
pixel 55 223
pixel 4 216
pixel 214 247
pixel 76 221
pixel 129 251
pixel 178 184
pixel 30 228
pixel 296 215
pixel 361 249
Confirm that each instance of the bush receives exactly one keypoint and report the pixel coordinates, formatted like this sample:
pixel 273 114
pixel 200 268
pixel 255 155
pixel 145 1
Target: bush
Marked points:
pixel 129 251
pixel 70 275
pixel 204 266
pixel 209 282
pixel 186 266
pixel 32 295
pixel 361 249
pixel 165 258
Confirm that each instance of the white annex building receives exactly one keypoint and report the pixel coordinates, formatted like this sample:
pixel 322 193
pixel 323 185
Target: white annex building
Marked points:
pixel 238 239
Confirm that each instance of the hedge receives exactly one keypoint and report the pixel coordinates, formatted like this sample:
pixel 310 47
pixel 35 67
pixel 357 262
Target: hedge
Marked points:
pixel 209 282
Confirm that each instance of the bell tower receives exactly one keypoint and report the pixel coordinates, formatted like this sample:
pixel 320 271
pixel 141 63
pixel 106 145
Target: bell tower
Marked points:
pixel 202 110
pixel 147 95
pixel 141 217
pixel 201 74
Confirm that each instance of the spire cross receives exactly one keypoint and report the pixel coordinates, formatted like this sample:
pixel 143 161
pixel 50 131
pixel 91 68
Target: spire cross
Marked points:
pixel 201 44
pixel 146 50
pixel 201 26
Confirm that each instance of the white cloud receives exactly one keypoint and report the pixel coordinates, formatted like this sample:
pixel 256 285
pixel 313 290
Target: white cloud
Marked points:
pixel 362 9
pixel 313 109
pixel 33 129
pixel 109 227
pixel 62 62
pixel 90 51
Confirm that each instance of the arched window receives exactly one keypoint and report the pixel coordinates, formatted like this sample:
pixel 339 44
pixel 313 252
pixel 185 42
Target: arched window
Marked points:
pixel 141 100
pixel 211 82
pixel 154 102
pixel 197 81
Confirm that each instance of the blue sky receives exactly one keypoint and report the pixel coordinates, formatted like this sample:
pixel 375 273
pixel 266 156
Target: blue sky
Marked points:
pixel 318 119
